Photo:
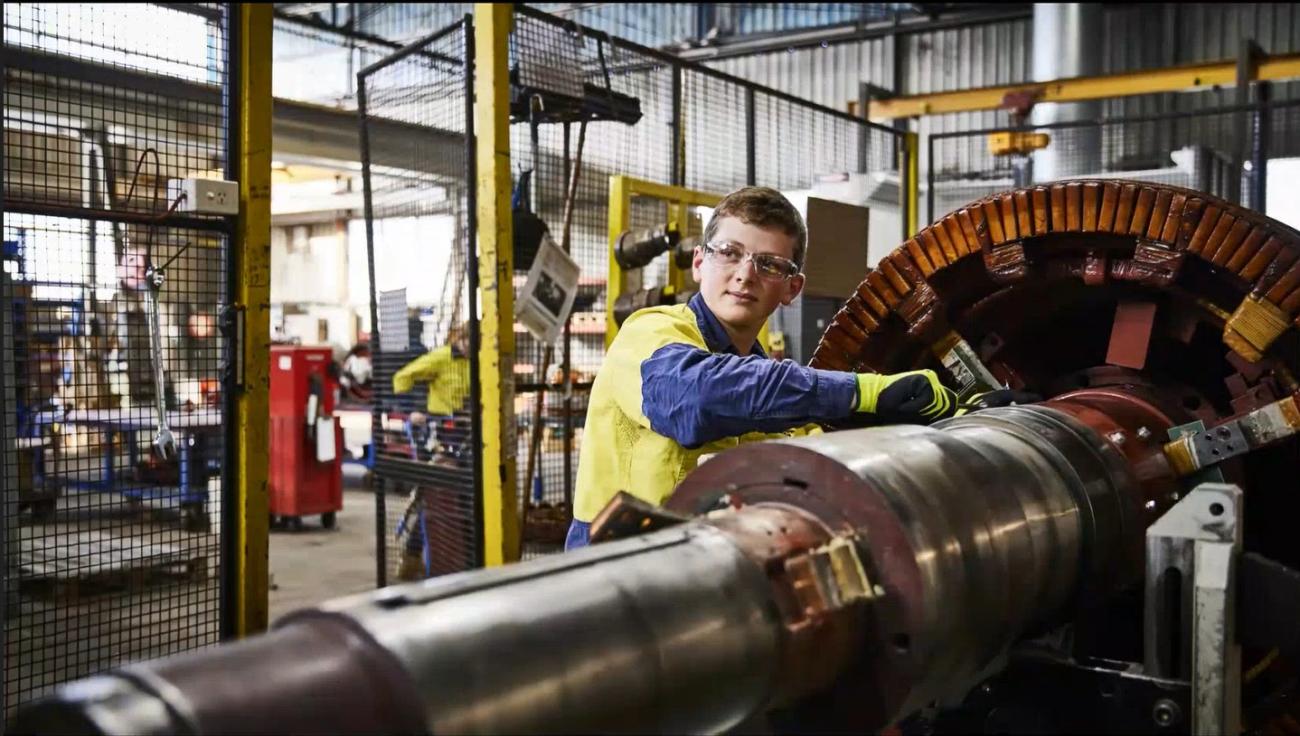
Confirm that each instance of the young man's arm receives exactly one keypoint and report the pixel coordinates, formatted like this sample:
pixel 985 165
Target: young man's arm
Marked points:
pixel 695 397
pixel 668 383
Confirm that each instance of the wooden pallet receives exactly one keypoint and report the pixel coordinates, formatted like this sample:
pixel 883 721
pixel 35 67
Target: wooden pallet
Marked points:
pixel 69 567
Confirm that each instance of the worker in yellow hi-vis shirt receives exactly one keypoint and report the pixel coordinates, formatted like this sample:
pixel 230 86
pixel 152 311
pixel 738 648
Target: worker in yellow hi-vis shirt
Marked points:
pixel 682 381
pixel 446 370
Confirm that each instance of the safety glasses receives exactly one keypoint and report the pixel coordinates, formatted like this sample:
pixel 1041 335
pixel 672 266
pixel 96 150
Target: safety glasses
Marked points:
pixel 766 265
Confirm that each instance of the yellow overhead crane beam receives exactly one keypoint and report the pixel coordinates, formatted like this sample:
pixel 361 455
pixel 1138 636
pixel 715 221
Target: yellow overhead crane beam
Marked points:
pixel 1078 89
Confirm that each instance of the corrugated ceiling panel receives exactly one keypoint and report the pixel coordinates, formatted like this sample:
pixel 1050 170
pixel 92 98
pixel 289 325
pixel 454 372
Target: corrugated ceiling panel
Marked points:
pixel 828 75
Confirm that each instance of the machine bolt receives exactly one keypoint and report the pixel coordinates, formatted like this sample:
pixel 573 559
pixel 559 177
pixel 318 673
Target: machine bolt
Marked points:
pixel 1144 433
pixel 1166 712
pixel 1116 437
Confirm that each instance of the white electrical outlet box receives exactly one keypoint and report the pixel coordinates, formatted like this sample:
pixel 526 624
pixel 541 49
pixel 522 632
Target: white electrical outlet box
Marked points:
pixel 205 196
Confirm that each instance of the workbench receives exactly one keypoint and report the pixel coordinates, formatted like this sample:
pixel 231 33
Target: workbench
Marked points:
pixel 193 431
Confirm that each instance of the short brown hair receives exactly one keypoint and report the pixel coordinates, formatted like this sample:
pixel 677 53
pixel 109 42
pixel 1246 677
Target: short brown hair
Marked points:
pixel 763 207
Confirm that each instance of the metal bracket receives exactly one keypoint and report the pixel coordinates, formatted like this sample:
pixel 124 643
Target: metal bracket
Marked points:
pixel 1204 475
pixel 829 578
pixel 1247 433
pixel 1190 617
pixel 232 362
pixel 627 516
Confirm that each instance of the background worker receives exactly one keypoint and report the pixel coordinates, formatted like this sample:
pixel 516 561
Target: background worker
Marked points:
pixel 685 380
pixel 435 436
pixel 355 374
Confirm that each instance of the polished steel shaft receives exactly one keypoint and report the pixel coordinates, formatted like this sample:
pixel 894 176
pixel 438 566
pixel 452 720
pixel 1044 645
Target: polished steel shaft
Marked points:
pixel 634 635
pixel 998 513
pixel 970 533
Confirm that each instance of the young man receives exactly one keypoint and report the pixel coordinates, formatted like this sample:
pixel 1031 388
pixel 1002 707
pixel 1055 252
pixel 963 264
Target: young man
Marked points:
pixel 682 381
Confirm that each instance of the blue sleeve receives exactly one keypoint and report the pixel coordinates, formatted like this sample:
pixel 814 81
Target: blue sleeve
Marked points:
pixel 695 397
pixel 579 535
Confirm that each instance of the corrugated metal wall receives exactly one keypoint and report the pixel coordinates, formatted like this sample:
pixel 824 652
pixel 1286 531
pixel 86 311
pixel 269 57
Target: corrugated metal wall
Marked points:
pixel 408 21
pixel 935 61
pixel 749 18
pixel 649 24
pixel 1138 36
pixel 827 75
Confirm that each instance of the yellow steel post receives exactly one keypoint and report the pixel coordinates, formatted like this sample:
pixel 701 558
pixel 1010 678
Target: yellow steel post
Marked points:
pixel 680 200
pixel 252 250
pixel 677 212
pixel 500 511
pixel 620 205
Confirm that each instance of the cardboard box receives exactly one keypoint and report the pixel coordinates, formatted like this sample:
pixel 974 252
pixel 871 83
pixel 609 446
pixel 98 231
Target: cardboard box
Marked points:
pixel 837 248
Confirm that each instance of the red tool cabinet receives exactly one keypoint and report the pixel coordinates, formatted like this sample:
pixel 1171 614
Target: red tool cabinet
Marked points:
pixel 302 395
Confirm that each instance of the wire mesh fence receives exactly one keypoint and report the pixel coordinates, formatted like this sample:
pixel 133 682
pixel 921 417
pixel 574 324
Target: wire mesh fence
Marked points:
pixel 111 314
pixel 1223 151
pixel 318 64
pixel 584 106
pixel 657 118
pixel 419 177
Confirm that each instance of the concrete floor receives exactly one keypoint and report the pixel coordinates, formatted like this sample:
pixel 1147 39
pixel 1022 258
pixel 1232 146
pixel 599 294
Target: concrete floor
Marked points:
pixel 48 641
pixel 55 636
pixel 50 638
pixel 317 564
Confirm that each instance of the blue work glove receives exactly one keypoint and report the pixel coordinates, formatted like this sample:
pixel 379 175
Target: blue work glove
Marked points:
pixel 1000 397
pixel 914 397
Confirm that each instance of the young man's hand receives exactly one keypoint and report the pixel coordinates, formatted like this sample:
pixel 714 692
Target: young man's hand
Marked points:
pixel 914 397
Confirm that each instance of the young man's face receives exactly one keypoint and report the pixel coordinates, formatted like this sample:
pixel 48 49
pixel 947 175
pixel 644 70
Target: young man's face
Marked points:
pixel 740 296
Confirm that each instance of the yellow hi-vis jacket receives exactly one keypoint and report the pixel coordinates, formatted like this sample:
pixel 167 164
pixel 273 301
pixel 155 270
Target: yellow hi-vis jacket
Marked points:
pixel 447 375
pixel 672 388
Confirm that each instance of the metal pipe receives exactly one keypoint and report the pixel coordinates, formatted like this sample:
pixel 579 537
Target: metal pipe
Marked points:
pixel 631 635
pixel 851 576
pixel 1065 46
pixel 978 530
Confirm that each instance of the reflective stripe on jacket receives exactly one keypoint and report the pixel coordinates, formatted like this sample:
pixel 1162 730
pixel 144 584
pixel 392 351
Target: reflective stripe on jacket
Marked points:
pixel 673 388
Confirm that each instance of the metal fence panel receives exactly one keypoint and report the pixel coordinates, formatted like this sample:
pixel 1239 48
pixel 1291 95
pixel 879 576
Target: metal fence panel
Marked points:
pixel 551 56
pixel 113 552
pixel 652 116
pixel 418 167
pixel 697 128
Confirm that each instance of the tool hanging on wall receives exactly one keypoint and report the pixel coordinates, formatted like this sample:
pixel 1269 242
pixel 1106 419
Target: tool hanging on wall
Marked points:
pixel 164 442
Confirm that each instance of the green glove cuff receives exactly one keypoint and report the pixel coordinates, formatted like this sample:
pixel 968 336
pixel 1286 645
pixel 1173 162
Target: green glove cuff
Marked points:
pixel 869 387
